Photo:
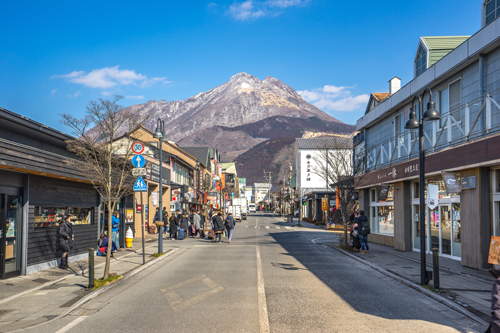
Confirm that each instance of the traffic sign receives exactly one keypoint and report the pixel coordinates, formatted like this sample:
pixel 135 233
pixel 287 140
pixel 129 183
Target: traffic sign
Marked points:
pixel 138 161
pixel 137 147
pixel 140 185
pixel 139 171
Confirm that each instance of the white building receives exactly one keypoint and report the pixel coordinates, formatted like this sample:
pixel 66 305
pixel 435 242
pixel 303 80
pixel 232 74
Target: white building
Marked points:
pixel 259 192
pixel 309 185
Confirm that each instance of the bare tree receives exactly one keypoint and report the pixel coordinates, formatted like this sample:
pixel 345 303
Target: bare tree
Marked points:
pixel 341 169
pixel 102 144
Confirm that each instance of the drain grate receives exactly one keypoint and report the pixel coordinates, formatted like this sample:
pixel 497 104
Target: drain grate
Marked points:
pixel 73 301
pixel 40 280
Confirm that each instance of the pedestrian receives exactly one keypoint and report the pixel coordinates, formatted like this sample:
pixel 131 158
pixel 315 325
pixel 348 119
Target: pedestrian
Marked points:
pixel 173 226
pixel 218 227
pixel 157 218
pixel 203 217
pixel 184 221
pixel 196 222
pixel 115 224
pixel 103 246
pixel 165 219
pixel 355 242
pixel 229 224
pixel 363 230
pixel 65 240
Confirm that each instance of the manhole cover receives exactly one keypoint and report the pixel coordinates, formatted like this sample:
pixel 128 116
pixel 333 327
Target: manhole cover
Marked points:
pixel 41 280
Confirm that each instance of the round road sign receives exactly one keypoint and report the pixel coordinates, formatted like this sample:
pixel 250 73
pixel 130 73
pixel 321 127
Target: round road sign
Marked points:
pixel 138 147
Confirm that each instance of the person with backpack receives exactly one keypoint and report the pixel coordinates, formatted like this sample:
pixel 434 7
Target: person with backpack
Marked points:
pixel 229 224
pixel 363 230
pixel 115 224
pixel 218 227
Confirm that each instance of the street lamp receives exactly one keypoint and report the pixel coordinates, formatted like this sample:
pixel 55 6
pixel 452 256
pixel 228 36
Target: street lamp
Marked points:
pixel 413 123
pixel 197 181
pixel 160 135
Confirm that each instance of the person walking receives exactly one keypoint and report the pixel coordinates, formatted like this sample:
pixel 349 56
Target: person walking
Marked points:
pixel 196 222
pixel 173 226
pixel 229 224
pixel 218 227
pixel 115 225
pixel 65 240
pixel 363 230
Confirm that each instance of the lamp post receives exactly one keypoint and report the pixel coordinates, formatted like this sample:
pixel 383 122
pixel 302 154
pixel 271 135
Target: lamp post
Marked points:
pixel 198 185
pixel 413 123
pixel 160 135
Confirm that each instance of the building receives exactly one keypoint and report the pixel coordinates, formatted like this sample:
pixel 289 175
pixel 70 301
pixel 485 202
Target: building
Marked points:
pixel 310 181
pixel 260 192
pixel 37 188
pixel 464 77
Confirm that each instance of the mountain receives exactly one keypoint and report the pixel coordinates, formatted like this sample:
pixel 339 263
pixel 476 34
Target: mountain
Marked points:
pixel 250 121
pixel 244 99
pixel 234 141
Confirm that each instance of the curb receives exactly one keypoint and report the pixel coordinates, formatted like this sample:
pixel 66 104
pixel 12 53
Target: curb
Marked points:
pixel 28 291
pixel 101 290
pixel 417 287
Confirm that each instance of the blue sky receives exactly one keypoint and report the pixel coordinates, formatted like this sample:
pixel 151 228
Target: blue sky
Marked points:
pixel 56 56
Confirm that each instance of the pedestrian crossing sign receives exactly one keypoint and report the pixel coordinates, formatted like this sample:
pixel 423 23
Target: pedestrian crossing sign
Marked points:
pixel 140 185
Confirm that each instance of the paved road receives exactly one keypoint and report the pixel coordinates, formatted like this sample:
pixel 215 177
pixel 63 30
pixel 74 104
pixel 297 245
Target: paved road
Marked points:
pixel 272 278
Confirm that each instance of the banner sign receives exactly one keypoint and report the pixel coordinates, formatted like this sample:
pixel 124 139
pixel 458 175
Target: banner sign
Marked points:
pixel 432 196
pixel 494 255
pixel 469 182
pixel 451 182
pixel 324 204
pixel 383 192
pixel 153 173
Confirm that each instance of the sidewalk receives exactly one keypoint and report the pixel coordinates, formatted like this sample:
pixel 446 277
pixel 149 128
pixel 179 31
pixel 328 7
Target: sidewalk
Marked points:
pixel 29 300
pixel 465 286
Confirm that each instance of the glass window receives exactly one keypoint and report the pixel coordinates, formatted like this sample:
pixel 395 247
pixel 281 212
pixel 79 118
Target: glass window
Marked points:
pixel 386 220
pixel 497 181
pixel 492 10
pixel 52 216
pixel 421 62
pixel 450 101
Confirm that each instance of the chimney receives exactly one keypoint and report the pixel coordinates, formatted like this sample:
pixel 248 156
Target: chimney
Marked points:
pixel 394 85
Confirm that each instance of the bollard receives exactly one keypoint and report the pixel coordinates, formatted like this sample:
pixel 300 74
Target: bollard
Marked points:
pixel 435 266
pixel 91 268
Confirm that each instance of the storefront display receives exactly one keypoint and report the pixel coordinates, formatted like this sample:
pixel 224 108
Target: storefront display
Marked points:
pixel 52 216
pixel 382 210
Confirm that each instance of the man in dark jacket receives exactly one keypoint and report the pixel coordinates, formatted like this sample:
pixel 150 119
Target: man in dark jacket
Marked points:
pixel 229 223
pixel 218 227
pixel 65 240
pixel 363 230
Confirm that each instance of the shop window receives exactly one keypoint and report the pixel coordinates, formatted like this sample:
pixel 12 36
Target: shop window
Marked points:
pixel 382 209
pixel 52 216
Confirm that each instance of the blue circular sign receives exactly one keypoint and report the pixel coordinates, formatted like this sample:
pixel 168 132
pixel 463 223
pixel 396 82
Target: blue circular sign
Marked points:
pixel 138 161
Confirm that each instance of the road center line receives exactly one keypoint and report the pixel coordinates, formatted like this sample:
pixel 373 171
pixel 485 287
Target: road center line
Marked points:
pixel 72 324
pixel 263 316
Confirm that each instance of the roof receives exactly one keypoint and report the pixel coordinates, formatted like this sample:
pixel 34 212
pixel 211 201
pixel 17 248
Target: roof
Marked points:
pixel 226 166
pixel 200 153
pixel 439 46
pixel 380 96
pixel 337 142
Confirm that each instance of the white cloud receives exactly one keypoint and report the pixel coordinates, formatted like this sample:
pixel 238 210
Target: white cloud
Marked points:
pixel 109 77
pixel 106 93
pixel 251 9
pixel 135 97
pixel 75 95
pixel 53 92
pixel 334 98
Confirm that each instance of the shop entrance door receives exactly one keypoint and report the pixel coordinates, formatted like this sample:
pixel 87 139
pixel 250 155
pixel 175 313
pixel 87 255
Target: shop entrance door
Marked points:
pixel 10 233
pixel 444 229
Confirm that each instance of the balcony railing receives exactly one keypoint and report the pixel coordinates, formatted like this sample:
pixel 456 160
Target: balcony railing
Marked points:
pixel 479 118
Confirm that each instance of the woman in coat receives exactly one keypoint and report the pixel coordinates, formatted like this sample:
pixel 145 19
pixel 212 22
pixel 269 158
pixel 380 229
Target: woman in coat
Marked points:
pixel 173 226
pixel 218 227
pixel 65 240
pixel 184 223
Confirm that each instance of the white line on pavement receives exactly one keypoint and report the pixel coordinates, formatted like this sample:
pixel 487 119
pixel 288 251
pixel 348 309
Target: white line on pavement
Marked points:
pixel 267 227
pixel 278 227
pixel 288 228
pixel 263 316
pixel 72 324
pixel 246 226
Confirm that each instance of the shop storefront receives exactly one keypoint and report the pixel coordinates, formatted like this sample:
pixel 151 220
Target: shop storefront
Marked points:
pixel 382 210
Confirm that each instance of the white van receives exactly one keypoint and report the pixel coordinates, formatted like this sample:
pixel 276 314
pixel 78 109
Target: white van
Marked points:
pixel 236 211
pixel 251 208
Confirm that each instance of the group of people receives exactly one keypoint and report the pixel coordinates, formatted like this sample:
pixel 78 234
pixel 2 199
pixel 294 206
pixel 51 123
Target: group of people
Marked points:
pixel 359 232
pixel 192 224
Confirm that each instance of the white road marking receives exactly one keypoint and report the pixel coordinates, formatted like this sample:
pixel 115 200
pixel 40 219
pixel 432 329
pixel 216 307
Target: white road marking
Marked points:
pixel 288 228
pixel 246 226
pixel 263 316
pixel 267 227
pixel 72 324
pixel 278 227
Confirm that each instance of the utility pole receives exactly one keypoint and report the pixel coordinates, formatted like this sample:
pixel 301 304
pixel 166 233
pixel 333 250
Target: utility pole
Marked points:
pixel 269 191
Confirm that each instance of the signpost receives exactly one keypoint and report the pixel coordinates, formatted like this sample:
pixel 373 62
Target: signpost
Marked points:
pixel 140 185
